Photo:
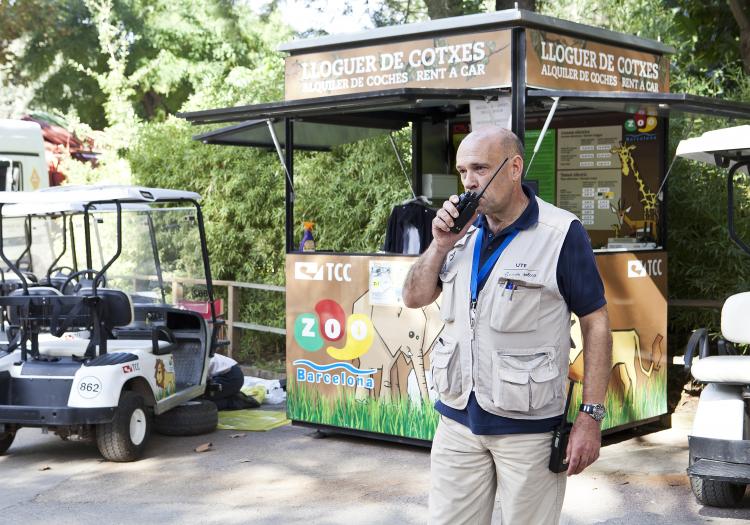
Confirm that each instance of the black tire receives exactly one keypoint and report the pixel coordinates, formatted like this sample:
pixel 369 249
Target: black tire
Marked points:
pixel 717 493
pixel 6 440
pixel 196 417
pixel 124 439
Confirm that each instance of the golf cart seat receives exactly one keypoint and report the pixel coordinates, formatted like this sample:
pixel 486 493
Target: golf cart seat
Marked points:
pixel 724 368
pixel 71 346
pixel 36 291
pixel 10 282
pixel 116 312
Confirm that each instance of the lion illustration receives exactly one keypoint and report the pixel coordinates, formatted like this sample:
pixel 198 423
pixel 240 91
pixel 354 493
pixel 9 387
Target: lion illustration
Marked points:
pixel 165 379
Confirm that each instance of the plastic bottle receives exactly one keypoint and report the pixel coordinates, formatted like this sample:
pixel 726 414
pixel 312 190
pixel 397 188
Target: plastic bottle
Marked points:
pixel 307 244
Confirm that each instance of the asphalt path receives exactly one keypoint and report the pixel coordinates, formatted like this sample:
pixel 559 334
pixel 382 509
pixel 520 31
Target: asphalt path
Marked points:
pixel 287 476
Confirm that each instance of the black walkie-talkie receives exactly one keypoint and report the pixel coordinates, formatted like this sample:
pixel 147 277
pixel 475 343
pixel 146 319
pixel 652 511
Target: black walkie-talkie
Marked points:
pixel 468 202
pixel 560 437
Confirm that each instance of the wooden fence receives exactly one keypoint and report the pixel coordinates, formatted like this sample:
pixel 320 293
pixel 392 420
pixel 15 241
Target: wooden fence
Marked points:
pixel 233 324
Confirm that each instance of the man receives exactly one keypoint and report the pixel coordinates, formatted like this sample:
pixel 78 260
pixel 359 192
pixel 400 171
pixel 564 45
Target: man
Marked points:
pixel 509 279
pixel 225 382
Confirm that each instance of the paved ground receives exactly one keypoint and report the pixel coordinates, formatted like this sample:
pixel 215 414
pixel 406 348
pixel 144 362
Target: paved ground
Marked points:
pixel 285 476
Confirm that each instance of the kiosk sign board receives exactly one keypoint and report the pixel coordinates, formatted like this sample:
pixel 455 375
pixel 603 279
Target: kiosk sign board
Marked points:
pixel 472 60
pixel 562 62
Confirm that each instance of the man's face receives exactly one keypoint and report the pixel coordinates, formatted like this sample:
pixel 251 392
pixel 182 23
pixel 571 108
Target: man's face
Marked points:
pixel 477 159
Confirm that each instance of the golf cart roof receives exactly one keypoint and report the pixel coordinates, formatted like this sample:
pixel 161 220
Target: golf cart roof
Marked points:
pixel 718 146
pixel 63 199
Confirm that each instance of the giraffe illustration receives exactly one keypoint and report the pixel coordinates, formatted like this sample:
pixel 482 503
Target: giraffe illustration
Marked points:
pixel 648 198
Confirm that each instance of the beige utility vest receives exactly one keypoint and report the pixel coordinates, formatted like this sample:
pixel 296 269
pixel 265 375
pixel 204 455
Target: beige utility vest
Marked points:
pixel 515 357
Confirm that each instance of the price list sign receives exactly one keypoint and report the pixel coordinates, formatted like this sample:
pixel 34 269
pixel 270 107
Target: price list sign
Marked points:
pixel 589 174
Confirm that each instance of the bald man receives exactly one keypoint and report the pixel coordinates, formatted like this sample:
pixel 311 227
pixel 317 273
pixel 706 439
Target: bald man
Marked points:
pixel 510 279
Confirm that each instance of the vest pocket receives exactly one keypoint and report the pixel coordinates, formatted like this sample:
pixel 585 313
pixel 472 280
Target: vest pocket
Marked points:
pixel 516 309
pixel 447 307
pixel 523 382
pixel 445 365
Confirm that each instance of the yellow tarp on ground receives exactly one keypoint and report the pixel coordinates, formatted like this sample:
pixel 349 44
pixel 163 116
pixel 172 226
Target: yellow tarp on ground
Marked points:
pixel 251 419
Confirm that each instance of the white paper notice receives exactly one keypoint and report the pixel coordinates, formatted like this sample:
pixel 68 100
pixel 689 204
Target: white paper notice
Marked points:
pixel 493 113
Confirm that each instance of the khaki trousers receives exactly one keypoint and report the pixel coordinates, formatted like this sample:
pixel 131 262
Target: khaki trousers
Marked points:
pixel 468 471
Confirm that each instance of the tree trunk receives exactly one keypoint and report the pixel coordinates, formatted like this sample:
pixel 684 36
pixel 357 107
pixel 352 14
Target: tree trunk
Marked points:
pixel 740 11
pixel 529 5
pixel 444 8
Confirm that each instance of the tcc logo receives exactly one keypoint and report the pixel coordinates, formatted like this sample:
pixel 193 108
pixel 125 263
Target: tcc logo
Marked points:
pixel 312 271
pixel 649 267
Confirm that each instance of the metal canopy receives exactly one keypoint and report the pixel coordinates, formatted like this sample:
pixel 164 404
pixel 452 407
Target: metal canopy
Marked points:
pixel 661 104
pixel 388 109
pixel 308 135
pixel 323 122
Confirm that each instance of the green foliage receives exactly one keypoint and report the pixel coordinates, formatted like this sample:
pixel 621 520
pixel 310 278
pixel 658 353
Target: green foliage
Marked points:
pixel 242 190
pixel 349 193
pixel 175 48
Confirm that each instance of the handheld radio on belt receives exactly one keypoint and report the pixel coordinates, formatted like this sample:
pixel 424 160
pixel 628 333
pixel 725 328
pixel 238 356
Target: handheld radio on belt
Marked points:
pixel 560 437
pixel 468 202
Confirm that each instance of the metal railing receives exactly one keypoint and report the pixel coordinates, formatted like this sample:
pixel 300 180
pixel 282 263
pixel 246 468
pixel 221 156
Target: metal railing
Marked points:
pixel 231 319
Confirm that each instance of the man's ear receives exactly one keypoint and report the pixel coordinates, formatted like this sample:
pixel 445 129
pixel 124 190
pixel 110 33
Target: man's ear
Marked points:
pixel 516 172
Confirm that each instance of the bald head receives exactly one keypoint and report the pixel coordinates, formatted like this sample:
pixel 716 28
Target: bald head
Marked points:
pixel 498 140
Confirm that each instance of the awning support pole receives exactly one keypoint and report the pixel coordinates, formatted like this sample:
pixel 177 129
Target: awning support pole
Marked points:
pixel 401 163
pixel 281 155
pixel 669 170
pixel 543 132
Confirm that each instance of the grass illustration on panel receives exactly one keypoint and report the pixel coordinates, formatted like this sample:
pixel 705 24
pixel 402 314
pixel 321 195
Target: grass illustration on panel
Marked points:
pixel 397 417
pixel 647 401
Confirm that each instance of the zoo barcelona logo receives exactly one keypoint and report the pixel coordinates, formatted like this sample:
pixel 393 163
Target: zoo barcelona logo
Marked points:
pixel 329 325
pixel 640 127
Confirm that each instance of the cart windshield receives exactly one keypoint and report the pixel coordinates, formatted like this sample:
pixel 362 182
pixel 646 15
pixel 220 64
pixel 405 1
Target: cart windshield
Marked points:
pixel 153 252
pixel 160 259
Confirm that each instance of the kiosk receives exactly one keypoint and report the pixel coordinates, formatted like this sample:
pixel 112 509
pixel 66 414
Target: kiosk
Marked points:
pixel 357 359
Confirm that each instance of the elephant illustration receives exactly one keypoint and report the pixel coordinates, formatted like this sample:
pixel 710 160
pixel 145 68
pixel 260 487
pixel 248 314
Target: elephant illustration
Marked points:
pixel 399 331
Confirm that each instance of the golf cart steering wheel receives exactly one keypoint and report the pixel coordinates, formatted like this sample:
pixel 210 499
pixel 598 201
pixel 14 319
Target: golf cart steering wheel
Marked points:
pixel 77 276
pixel 59 269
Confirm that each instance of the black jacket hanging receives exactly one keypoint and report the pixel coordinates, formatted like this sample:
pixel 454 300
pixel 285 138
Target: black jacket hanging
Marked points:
pixel 406 219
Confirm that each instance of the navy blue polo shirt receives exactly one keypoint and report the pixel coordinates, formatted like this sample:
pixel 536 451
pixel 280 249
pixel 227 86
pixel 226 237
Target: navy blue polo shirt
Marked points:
pixel 580 285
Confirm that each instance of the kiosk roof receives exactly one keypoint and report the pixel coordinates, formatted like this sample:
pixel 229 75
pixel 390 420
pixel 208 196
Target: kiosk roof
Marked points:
pixel 483 21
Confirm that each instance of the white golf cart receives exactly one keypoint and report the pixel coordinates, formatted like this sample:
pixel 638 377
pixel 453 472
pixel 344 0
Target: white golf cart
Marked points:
pixel 103 351
pixel 719 443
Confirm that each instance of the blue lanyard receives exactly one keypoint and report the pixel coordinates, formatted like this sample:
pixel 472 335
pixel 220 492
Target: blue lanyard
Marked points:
pixel 480 274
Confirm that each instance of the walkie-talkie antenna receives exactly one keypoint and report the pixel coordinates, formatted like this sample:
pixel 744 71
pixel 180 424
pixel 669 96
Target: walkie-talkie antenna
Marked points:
pixel 493 178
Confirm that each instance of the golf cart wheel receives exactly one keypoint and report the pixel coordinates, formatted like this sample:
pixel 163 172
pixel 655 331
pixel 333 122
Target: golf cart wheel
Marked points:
pixel 196 417
pixel 6 440
pixel 717 493
pixel 124 439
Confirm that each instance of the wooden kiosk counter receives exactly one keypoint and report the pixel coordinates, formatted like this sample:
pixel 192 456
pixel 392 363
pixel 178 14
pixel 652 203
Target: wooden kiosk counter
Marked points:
pixel 357 359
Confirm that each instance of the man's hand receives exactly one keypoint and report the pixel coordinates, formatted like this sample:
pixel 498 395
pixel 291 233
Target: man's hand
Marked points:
pixel 443 222
pixel 583 444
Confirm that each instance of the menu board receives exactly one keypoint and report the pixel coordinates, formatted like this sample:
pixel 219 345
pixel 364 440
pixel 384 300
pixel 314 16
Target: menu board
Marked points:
pixel 588 148
pixel 591 195
pixel 589 179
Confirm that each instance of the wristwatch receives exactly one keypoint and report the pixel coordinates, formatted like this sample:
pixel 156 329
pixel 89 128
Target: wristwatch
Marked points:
pixel 595 411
